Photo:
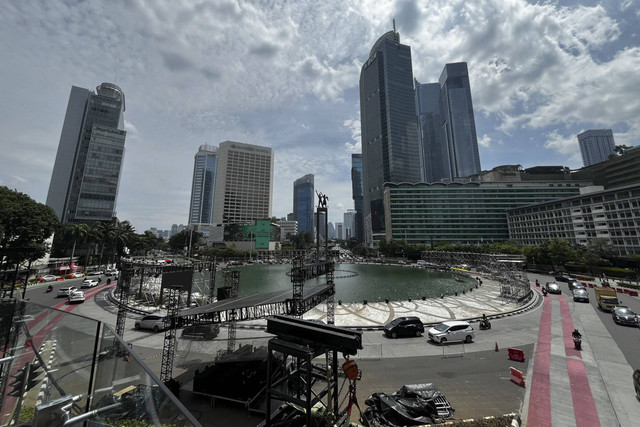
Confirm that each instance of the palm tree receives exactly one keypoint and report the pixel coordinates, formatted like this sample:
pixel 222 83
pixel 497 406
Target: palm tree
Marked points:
pixel 77 232
pixel 104 234
pixel 123 232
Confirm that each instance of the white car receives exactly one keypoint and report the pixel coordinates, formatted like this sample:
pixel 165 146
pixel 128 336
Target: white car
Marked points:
pixel 76 297
pixel 89 283
pixel 48 278
pixel 454 330
pixel 65 292
pixel 154 322
pixel 95 273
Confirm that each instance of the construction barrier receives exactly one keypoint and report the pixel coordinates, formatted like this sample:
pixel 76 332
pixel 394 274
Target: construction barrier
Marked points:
pixel 591 285
pixel 516 376
pixel 516 354
pixel 585 284
pixel 619 290
pixel 632 293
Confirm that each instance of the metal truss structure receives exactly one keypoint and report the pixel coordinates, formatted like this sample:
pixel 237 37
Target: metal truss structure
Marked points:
pixel 232 282
pixel 504 268
pixel 170 323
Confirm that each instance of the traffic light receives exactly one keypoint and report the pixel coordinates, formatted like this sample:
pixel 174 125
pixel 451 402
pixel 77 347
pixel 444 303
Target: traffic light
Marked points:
pixel 18 382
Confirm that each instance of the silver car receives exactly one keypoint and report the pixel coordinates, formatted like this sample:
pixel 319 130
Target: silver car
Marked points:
pixel 152 322
pixel 454 330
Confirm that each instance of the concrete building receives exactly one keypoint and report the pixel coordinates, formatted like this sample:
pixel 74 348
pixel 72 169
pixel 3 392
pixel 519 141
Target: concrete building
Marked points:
pixel 287 228
pixel 244 183
pixel 471 212
pixel 612 214
pixel 303 197
pixel 86 173
pixel 596 145
pixel 349 218
pixel 618 171
pixel 390 150
pixel 339 231
pixel 203 185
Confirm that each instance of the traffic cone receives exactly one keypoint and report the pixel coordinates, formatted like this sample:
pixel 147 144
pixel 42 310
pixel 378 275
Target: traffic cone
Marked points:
pixel 497 346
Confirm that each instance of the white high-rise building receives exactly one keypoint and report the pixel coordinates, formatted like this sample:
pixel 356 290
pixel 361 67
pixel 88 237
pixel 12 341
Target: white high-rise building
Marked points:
pixel 203 185
pixel 596 145
pixel 244 183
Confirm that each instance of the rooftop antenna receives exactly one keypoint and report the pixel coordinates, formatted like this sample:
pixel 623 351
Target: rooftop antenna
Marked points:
pixel 394 25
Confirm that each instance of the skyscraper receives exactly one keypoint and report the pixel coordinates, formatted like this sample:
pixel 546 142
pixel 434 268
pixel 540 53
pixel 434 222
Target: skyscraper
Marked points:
pixel 434 153
pixel 303 197
pixel 388 119
pixel 349 224
pixel 244 183
pixel 596 145
pixel 203 185
pixel 86 173
pixel 459 125
pixel 356 191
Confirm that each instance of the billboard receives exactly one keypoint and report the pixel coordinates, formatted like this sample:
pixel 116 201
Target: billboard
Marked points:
pixel 261 233
pixel 181 280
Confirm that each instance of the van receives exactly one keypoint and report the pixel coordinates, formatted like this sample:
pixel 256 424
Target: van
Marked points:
pixel 454 330
pixel 404 327
pixel 152 322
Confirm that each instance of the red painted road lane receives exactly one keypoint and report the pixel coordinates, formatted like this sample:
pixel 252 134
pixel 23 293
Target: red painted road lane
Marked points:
pixel 584 407
pixel 540 393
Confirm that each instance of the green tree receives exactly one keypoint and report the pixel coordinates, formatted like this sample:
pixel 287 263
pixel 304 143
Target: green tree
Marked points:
pixel 181 240
pixel 25 225
pixel 77 232
pixel 559 252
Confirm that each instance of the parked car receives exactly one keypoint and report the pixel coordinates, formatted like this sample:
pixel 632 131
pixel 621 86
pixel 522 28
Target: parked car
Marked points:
pixel 580 295
pixel 48 278
pixel 623 315
pixel 66 291
pixel 205 332
pixel 636 382
pixel 553 288
pixel 89 283
pixel 152 322
pixel 76 297
pixel 404 327
pixel 454 330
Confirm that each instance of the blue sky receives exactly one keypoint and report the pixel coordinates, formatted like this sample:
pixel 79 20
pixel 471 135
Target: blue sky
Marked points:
pixel 284 74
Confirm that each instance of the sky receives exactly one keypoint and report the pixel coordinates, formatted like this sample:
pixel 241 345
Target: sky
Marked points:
pixel 285 74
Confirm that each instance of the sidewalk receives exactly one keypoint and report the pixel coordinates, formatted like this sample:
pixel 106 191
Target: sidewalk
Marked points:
pixel 568 387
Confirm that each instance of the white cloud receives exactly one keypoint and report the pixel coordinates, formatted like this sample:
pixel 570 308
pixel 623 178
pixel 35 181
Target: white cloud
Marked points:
pixel 485 141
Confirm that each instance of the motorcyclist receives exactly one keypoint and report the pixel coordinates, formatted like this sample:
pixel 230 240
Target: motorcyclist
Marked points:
pixel 537 283
pixel 576 334
pixel 484 323
pixel 49 288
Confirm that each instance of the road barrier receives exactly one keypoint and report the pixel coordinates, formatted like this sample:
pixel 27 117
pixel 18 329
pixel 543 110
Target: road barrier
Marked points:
pixel 516 376
pixel 516 354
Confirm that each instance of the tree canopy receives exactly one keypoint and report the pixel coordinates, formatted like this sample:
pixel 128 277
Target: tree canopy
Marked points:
pixel 25 225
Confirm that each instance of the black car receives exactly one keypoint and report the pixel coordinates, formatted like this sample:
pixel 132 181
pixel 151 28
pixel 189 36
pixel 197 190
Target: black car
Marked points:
pixel 564 278
pixel 553 288
pixel 636 382
pixel 404 327
pixel 580 294
pixel 623 315
pixel 204 332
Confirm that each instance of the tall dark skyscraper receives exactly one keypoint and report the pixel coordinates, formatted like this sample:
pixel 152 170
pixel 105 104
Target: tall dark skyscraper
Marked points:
pixel 356 191
pixel 388 118
pixel 303 197
pixel 459 125
pixel 86 172
pixel 203 185
pixel 434 153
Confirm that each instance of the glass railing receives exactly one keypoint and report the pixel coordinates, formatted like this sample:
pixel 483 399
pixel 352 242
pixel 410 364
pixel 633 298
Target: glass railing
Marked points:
pixel 58 368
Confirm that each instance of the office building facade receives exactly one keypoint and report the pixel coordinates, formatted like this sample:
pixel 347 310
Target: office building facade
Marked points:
pixel 303 198
pixel 466 213
pixel 349 221
pixel 434 152
pixel 596 145
pixel 612 214
pixel 356 191
pixel 203 185
pixel 459 125
pixel 244 183
pixel 86 173
pixel 390 150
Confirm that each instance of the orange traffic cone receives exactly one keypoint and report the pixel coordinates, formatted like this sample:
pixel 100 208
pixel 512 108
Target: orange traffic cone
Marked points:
pixel 497 346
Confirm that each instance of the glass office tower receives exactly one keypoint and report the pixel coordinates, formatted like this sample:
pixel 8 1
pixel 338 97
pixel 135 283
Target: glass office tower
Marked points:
pixel 303 197
pixel 203 185
pixel 388 121
pixel 459 124
pixel 434 152
pixel 86 173
pixel 356 191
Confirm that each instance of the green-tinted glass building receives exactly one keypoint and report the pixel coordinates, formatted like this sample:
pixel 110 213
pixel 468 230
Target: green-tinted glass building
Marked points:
pixel 468 213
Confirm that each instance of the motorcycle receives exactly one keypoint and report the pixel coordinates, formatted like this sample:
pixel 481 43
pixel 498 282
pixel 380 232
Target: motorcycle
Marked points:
pixel 544 292
pixel 485 324
pixel 577 341
pixel 49 288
